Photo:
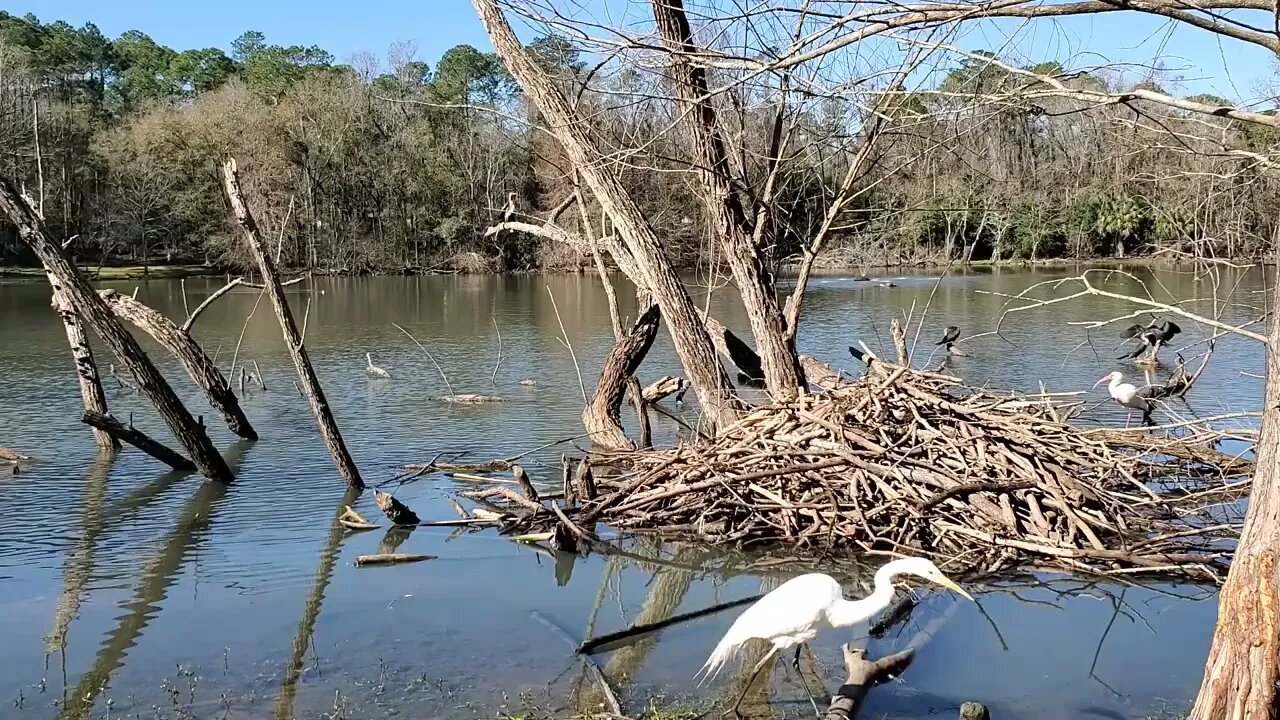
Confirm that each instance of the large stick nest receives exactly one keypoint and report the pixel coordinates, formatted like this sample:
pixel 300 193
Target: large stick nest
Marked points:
pixel 913 462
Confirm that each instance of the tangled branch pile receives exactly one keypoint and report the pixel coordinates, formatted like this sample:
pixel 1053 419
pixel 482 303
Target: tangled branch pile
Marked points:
pixel 913 462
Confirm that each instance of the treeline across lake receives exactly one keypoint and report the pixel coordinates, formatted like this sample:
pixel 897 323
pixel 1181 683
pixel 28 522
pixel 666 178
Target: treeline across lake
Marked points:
pixel 392 164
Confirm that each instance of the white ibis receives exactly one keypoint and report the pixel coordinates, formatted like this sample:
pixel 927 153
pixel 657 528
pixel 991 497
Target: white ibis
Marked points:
pixel 793 613
pixel 374 370
pixel 1127 396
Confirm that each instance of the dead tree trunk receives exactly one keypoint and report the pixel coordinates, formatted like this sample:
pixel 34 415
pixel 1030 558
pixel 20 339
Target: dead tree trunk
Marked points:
pixel 1241 673
pixel 188 352
pixel 656 274
pixel 602 416
pixel 92 310
pixel 138 439
pixel 292 338
pixel 94 399
pixel 728 218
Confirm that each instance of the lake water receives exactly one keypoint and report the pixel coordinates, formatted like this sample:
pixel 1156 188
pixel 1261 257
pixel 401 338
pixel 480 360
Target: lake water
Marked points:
pixel 129 591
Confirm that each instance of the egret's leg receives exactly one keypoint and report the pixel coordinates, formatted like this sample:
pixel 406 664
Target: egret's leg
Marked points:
pixel 1128 418
pixel 795 663
pixel 755 672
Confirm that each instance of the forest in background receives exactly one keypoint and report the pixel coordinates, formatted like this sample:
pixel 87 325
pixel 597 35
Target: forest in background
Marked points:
pixel 390 164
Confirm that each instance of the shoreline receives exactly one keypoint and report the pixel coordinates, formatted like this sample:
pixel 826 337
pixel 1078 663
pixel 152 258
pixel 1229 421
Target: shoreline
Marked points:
pixel 173 272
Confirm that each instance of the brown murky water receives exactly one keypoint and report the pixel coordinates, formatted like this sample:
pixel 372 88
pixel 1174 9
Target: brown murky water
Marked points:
pixel 127 591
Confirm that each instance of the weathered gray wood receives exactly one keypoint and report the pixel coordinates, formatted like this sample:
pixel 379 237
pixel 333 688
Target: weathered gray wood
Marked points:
pixel 189 353
pixel 138 439
pixel 654 270
pixel 861 676
pixel 91 393
pixel 95 313
pixel 729 221
pixel 292 338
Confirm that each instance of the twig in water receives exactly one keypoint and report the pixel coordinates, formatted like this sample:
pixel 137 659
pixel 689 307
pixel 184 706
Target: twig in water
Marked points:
pixel 306 315
pixel 581 385
pixel 493 379
pixel 244 328
pixel 257 372
pixel 429 357
pixel 587 661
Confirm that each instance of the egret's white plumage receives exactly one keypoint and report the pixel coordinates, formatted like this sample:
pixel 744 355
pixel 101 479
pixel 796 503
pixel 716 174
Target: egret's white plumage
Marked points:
pixel 794 612
pixel 374 370
pixel 1126 395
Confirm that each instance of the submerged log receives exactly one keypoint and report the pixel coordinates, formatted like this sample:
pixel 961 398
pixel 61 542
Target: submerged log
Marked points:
pixel 820 375
pixel 602 416
pixel 397 512
pixel 94 312
pixel 861 676
pixel 203 372
pixel 138 439
pixel 292 338
pixel 391 559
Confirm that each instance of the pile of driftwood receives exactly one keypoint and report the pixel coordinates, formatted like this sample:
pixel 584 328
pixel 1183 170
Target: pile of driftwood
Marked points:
pixel 913 462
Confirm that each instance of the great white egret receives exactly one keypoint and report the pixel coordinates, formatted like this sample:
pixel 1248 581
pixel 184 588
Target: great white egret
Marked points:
pixel 1127 396
pixel 509 211
pixel 374 370
pixel 793 613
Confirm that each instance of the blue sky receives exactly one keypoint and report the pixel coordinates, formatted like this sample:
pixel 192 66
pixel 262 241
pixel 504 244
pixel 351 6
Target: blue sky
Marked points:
pixel 1204 63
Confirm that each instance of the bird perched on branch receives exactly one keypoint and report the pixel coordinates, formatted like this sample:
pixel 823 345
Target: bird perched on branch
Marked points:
pixel 374 370
pixel 509 211
pixel 1150 337
pixel 949 337
pixel 1127 396
pixel 793 613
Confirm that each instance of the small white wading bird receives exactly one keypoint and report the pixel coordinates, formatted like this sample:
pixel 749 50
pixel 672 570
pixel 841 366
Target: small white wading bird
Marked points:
pixel 374 370
pixel 1127 396
pixel 793 613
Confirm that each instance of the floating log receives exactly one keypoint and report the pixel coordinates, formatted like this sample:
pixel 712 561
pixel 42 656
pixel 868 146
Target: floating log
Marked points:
pixel 663 387
pixel 12 456
pixel 95 313
pixel 397 512
pixel 602 415
pixel 391 559
pixel 353 520
pixel 202 370
pixel 138 439
pixel 292 338
pixel 472 398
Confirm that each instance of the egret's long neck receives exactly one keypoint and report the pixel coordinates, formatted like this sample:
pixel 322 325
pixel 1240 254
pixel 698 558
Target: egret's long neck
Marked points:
pixel 848 612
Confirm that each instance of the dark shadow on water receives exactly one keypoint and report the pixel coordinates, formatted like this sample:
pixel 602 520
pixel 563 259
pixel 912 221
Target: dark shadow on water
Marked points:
pixel 157 577
pixel 315 600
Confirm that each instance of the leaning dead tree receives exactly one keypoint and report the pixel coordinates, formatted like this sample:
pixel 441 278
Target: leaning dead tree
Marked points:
pixel 654 269
pixel 292 338
pixel 199 366
pixel 91 393
pixel 94 312
pixel 602 415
